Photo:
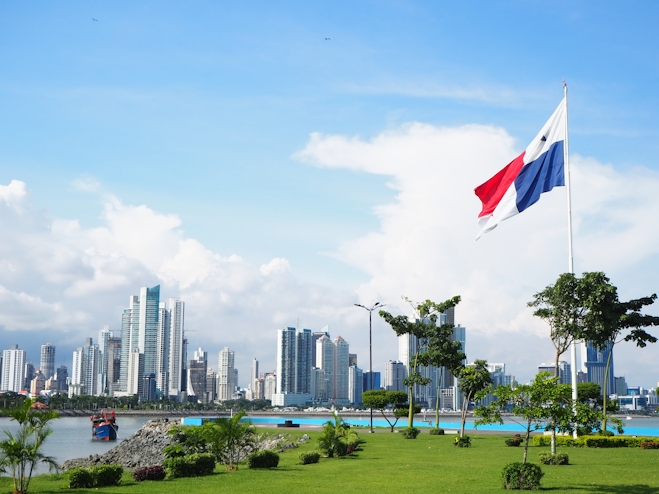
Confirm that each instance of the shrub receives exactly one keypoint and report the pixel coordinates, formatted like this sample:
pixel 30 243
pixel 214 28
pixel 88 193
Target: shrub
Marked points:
pixel 648 444
pixel 411 432
pixel 106 475
pixel 462 442
pixel 263 459
pixel 190 465
pixel 521 476
pixel 437 431
pixel 154 472
pixel 606 433
pixel 557 459
pixel 80 478
pixel 310 457
pixel 514 441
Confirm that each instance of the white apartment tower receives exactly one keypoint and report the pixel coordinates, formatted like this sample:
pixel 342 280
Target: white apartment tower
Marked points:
pixel 13 369
pixel 332 357
pixel 225 374
pixel 293 367
pixel 176 315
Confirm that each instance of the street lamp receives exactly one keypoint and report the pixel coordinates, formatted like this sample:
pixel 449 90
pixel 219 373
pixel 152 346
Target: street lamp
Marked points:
pixel 370 347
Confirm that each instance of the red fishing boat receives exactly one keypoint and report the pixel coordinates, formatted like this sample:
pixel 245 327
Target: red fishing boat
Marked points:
pixel 104 426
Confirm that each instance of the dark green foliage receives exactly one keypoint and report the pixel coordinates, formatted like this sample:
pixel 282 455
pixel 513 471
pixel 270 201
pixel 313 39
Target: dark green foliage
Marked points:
pixel 310 457
pixel 521 476
pixel 649 445
pixel 472 381
pixel 557 459
pixel 106 475
pixel 80 478
pixel 594 441
pixel 154 472
pixel 263 459
pixel 436 431
pixel 411 432
pixel 380 399
pixel 462 441
pixel 190 465
pixel 606 433
pixel 514 441
pixel 337 438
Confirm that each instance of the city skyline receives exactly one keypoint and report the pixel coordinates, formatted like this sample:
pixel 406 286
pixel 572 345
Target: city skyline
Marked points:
pixel 271 178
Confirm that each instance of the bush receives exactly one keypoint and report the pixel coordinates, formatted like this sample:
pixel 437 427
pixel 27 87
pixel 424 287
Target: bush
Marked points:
pixel 595 441
pixel 462 442
pixel 515 441
pixel 154 472
pixel 521 476
pixel 106 475
pixel 557 459
pixel 606 433
pixel 411 432
pixel 649 444
pixel 80 478
pixel 308 458
pixel 263 459
pixel 190 465
pixel 437 431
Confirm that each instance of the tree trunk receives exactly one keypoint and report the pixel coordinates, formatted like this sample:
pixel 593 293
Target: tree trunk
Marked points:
pixel 439 394
pixel 410 415
pixel 553 429
pixel 465 408
pixel 604 393
pixel 526 442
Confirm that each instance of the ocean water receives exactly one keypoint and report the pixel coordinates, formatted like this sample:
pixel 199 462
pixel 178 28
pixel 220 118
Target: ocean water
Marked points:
pixel 71 436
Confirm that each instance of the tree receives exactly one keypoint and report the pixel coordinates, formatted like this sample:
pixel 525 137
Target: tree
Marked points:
pixel 533 404
pixel 337 439
pixel 473 380
pixel 22 451
pixel 380 399
pixel 442 352
pixel 231 439
pixel 421 327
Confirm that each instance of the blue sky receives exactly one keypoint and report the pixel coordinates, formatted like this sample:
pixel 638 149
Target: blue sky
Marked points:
pixel 203 111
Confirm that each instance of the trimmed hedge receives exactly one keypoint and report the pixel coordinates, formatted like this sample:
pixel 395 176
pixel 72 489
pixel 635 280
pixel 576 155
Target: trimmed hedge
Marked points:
pixel 411 432
pixel 310 457
pixel 100 476
pixel 437 431
pixel 557 459
pixel 521 476
pixel 649 445
pixel 263 459
pixel 154 472
pixel 594 441
pixel 193 465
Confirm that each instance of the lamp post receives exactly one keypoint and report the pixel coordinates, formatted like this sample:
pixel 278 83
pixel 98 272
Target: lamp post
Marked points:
pixel 370 348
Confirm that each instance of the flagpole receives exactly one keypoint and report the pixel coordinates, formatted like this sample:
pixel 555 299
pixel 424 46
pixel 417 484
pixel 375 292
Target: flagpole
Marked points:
pixel 566 157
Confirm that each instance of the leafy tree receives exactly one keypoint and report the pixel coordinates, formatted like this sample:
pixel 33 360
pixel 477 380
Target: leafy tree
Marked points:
pixel 531 405
pixel 231 439
pixel 22 451
pixel 442 352
pixel 421 327
pixel 337 439
pixel 380 399
pixel 473 381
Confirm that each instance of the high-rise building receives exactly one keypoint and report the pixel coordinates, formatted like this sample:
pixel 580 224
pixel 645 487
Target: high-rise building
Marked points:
pixel 254 375
pixel 621 386
pixel 104 336
pixel 62 375
pixel 38 384
pixel 135 372
pixel 394 373
pixel 341 358
pixel 352 359
pixel 30 372
pixel 47 363
pixel 197 370
pixel 211 385
pixel 269 386
pixel 225 374
pixel 293 367
pixel 113 364
pixel 593 363
pixel 163 350
pixel 564 371
pixel 177 355
pixel 332 357
pixel 13 369
pixel 86 369
pixel 315 336
pixel 355 384
pixel 367 381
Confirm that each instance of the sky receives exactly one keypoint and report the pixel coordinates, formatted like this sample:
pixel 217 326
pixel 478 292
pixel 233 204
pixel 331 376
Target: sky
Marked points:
pixel 274 163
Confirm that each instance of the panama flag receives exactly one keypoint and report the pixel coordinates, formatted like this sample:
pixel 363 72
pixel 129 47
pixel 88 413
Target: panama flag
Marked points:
pixel 538 169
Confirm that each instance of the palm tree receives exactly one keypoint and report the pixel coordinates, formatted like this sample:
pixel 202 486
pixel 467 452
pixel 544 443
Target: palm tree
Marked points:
pixel 22 451
pixel 232 439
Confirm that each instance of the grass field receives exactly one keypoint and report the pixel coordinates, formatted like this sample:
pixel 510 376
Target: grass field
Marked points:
pixel 388 463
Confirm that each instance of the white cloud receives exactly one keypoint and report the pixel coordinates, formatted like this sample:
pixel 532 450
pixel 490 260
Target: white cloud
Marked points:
pixel 425 246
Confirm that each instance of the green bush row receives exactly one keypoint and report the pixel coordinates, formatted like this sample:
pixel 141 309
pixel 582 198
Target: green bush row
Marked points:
pixel 593 441
pixel 557 459
pixel 263 459
pixel 437 431
pixel 100 476
pixel 190 465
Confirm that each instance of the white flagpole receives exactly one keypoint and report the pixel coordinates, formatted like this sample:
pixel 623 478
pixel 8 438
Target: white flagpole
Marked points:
pixel 566 157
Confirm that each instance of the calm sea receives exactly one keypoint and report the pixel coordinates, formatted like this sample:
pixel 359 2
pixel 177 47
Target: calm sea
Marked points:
pixel 71 436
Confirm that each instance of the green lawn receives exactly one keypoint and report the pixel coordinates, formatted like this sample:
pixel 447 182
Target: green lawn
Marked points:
pixel 388 463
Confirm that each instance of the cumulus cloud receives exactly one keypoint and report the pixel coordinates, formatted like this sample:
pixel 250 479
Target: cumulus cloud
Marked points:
pixel 425 246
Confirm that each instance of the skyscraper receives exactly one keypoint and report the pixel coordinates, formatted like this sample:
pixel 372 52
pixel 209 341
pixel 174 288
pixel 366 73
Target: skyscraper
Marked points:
pixel 104 336
pixel 593 363
pixel 47 363
pixel 86 369
pixel 254 375
pixel 13 369
pixel 177 357
pixel 225 374
pixel 293 367
pixel 315 336
pixel 394 373
pixel 332 357
pixel 355 383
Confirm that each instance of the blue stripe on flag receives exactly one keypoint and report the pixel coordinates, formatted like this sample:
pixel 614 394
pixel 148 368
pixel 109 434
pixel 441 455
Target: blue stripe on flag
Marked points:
pixel 539 176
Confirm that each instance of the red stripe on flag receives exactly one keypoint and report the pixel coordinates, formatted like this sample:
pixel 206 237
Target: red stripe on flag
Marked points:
pixel 491 192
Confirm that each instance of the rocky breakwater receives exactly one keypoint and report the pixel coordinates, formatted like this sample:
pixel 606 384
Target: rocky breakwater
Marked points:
pixel 142 449
pixel 145 447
